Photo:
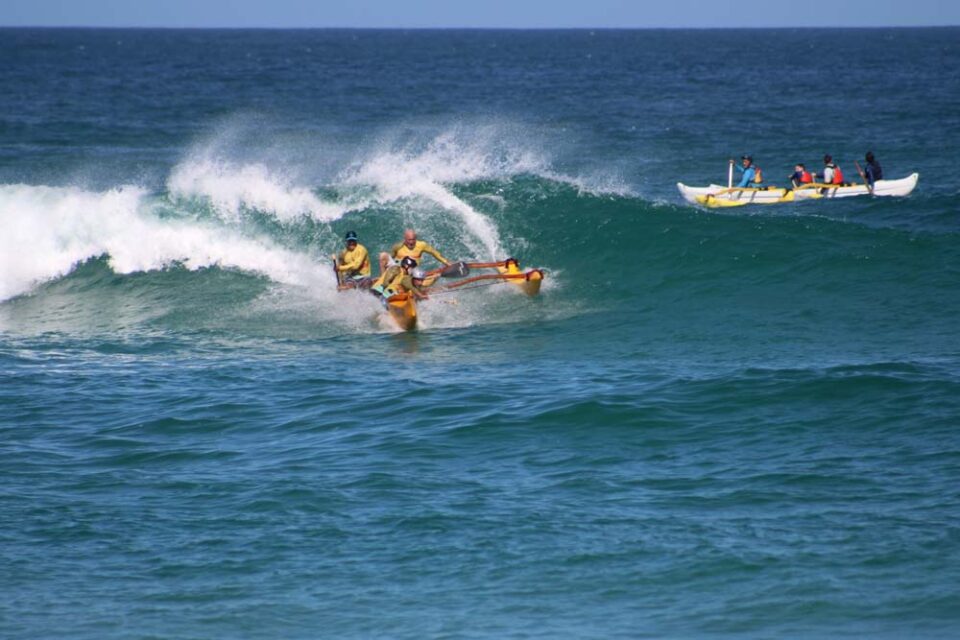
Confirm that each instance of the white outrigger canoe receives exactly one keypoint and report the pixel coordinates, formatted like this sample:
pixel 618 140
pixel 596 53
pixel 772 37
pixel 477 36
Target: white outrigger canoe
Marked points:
pixel 901 187
pixel 717 195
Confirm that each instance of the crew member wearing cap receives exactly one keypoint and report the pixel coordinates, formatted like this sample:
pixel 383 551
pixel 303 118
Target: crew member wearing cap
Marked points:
pixel 353 263
pixel 748 170
pixel 409 248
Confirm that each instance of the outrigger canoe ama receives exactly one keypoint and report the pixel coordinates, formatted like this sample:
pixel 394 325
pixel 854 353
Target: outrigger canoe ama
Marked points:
pixel 528 281
pixel 508 270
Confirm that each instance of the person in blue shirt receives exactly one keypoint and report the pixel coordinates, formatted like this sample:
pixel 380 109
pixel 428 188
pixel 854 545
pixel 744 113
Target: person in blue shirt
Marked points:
pixel 872 169
pixel 748 170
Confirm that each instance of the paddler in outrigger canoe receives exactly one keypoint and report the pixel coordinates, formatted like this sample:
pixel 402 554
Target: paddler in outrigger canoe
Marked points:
pixel 399 288
pixel 747 191
pixel 352 266
pixel 409 248
pixel 831 183
pixel 405 277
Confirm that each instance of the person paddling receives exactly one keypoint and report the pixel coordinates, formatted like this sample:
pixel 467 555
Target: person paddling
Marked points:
pixel 410 247
pixel 412 283
pixel 800 176
pixel 353 263
pixel 399 278
pixel 831 172
pixel 751 173
pixel 872 170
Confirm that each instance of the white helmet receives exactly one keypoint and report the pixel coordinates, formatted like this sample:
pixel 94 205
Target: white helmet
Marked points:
pixel 418 274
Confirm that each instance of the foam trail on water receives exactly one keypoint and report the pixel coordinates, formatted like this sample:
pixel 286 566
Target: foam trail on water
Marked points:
pixel 51 230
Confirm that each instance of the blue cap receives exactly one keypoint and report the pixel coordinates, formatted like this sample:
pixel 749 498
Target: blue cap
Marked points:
pixel 351 235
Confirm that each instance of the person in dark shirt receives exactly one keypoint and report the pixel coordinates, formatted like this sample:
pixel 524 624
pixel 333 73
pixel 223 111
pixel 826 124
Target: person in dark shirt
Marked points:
pixel 872 169
pixel 800 176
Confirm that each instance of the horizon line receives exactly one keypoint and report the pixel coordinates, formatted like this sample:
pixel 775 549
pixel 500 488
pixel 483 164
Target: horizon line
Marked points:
pixel 447 28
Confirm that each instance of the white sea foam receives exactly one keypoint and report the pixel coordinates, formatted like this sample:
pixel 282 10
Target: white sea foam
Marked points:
pixel 408 173
pixel 232 187
pixel 48 231
pixel 426 172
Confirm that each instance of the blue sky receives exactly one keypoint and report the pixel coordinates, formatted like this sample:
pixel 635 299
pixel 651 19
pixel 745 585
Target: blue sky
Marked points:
pixel 477 13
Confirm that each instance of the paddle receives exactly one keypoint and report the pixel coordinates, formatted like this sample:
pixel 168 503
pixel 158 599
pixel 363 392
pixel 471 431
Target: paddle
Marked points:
pixel 730 174
pixel 863 176
pixel 336 272
pixel 455 270
pixel 452 270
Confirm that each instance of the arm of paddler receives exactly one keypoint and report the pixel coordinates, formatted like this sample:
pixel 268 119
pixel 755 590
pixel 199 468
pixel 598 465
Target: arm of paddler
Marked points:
pixel 747 176
pixel 406 284
pixel 436 254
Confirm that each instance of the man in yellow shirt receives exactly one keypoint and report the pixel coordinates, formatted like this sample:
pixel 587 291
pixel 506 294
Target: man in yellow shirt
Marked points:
pixel 401 278
pixel 412 283
pixel 353 263
pixel 409 248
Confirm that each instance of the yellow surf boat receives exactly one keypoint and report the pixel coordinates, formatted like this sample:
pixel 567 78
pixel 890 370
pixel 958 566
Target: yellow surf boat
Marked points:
pixel 402 307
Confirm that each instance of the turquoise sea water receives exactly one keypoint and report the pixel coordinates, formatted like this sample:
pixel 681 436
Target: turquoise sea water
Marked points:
pixel 709 424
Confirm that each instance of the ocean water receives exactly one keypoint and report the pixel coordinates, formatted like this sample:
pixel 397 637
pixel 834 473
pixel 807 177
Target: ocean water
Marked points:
pixel 742 423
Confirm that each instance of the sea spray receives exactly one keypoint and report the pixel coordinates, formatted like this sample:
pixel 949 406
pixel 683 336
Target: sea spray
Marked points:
pixel 51 230
pixel 232 189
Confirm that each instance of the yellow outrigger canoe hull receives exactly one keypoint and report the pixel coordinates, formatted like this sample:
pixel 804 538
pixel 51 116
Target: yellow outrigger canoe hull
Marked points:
pixel 402 308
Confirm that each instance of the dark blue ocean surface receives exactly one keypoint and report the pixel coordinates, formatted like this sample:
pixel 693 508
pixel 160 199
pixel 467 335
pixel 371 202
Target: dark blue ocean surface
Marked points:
pixel 710 423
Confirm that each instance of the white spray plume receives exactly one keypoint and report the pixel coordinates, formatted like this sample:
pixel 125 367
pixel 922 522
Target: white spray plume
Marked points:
pixel 50 230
